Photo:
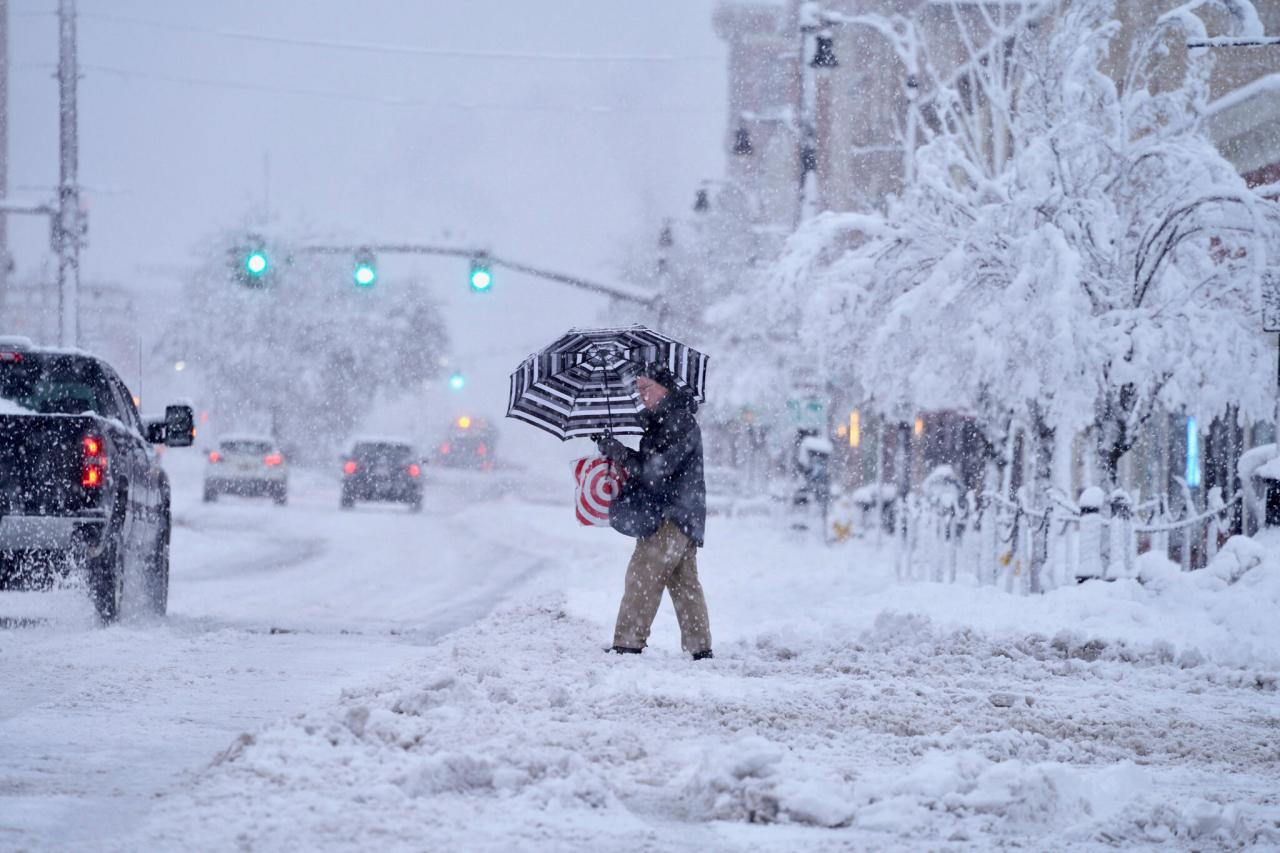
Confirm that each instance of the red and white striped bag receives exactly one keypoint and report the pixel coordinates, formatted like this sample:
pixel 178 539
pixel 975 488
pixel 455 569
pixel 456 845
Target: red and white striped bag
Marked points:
pixel 599 482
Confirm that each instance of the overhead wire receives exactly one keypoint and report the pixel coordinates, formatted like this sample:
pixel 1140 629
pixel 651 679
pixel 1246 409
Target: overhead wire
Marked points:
pixel 415 50
pixel 179 79
pixel 267 88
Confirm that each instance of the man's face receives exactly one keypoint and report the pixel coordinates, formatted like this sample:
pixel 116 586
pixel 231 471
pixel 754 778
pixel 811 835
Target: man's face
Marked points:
pixel 651 393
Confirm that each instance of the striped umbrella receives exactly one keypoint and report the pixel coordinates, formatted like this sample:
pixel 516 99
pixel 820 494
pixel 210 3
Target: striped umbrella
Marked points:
pixel 584 382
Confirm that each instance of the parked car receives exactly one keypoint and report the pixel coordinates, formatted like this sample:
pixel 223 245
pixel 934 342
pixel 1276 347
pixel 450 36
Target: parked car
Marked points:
pixel 382 470
pixel 246 465
pixel 724 488
pixel 81 487
pixel 467 443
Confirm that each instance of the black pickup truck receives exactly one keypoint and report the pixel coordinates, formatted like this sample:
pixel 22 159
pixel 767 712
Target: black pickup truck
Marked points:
pixel 81 487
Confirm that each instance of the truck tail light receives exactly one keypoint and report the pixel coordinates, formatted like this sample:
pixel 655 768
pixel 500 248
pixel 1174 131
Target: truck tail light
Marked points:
pixel 273 459
pixel 11 357
pixel 215 457
pixel 93 467
pixel 415 470
pixel 350 467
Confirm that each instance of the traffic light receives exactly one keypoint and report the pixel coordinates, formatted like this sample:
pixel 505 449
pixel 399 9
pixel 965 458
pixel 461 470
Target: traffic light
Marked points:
pixel 256 263
pixel 481 279
pixel 366 269
pixel 456 382
pixel 251 265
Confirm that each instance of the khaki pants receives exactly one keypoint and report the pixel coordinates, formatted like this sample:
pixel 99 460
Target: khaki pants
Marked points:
pixel 666 560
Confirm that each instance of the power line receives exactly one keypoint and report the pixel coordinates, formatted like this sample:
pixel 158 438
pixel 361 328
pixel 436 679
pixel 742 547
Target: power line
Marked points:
pixel 373 47
pixel 129 74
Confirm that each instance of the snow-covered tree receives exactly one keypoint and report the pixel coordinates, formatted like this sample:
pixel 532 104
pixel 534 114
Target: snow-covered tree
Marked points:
pixel 308 352
pixel 1105 269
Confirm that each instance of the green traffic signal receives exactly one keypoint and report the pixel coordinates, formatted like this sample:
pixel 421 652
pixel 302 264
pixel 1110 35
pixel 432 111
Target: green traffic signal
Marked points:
pixel 366 270
pixel 457 381
pixel 256 263
pixel 481 278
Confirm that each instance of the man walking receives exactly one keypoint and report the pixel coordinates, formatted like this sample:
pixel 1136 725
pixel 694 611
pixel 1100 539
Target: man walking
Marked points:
pixel 663 503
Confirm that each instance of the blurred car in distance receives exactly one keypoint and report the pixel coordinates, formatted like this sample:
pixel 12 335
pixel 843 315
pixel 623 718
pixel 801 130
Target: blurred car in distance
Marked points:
pixel 382 470
pixel 727 494
pixel 247 466
pixel 467 443
pixel 723 484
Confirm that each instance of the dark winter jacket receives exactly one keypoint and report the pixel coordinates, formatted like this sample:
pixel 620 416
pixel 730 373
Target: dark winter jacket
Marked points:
pixel 664 477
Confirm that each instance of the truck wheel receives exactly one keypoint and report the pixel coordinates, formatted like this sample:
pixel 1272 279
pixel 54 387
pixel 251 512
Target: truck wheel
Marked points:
pixel 210 494
pixel 157 576
pixel 415 505
pixel 280 494
pixel 348 501
pixel 106 579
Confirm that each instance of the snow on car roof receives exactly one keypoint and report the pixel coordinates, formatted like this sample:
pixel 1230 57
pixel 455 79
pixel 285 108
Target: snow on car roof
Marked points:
pixel 24 344
pixel 246 436
pixel 380 439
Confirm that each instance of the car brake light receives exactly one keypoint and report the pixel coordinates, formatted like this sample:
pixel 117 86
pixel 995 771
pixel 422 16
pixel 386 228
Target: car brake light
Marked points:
pixel 215 456
pixel 93 467
pixel 481 450
pixel 415 470
pixel 11 357
pixel 444 448
pixel 350 467
pixel 273 459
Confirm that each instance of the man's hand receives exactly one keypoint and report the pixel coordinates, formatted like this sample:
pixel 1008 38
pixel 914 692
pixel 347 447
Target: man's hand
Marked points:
pixel 612 449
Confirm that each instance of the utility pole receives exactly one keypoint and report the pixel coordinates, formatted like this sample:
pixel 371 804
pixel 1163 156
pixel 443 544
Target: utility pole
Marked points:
pixel 807 205
pixel 66 231
pixel 5 262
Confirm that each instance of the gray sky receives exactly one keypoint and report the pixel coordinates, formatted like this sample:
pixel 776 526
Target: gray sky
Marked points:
pixel 562 164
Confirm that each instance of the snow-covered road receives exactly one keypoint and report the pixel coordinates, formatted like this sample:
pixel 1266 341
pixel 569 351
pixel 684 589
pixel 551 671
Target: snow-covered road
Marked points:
pixel 375 679
pixel 272 611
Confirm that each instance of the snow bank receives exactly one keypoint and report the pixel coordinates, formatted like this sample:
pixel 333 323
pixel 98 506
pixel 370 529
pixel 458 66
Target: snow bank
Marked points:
pixel 843 710
pixel 520 734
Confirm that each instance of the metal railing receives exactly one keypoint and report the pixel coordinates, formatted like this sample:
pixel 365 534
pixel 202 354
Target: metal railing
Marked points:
pixel 1027 547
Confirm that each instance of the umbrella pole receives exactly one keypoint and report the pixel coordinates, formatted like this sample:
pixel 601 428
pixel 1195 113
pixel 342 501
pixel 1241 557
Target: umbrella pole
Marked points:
pixel 608 407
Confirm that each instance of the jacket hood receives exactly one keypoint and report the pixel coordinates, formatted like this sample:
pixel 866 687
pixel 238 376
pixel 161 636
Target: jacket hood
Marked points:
pixel 682 398
pixel 678 401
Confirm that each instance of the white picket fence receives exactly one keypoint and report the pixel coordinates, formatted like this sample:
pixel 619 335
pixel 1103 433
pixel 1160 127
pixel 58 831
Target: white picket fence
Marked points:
pixel 995 540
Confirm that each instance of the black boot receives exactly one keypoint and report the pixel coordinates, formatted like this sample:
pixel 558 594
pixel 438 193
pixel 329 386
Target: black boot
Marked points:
pixel 624 650
pixel 705 654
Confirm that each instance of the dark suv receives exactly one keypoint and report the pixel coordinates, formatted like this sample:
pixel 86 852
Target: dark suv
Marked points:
pixel 382 471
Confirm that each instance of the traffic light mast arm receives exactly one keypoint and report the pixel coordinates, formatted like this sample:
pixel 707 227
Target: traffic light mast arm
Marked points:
pixel 639 297
pixel 7 207
pixel 573 281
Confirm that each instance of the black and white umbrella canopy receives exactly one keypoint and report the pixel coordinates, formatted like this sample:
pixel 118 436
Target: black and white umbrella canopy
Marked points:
pixel 584 382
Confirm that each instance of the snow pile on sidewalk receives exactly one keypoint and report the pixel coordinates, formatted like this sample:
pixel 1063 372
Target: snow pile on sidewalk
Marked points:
pixel 842 709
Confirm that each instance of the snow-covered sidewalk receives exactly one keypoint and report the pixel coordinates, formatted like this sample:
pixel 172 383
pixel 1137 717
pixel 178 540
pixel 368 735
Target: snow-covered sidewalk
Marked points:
pixel 843 710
